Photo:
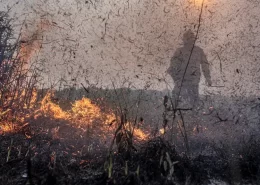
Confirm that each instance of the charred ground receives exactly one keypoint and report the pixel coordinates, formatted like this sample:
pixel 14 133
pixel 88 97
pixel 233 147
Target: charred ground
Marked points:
pixel 49 150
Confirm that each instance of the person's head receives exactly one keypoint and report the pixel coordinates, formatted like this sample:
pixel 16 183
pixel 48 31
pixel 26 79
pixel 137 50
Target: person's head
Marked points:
pixel 188 37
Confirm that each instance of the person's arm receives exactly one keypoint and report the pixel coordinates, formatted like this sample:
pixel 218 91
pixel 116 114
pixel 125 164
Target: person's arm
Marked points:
pixel 205 68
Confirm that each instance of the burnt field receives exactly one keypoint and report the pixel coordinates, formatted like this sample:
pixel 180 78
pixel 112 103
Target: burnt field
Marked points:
pixel 93 141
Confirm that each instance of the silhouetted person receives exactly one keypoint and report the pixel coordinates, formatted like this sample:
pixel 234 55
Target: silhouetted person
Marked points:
pixel 190 87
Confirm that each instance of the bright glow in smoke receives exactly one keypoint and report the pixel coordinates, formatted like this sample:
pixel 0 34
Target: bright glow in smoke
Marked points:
pixel 199 2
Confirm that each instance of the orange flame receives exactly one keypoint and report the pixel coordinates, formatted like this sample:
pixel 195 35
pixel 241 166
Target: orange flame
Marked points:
pixel 6 127
pixel 7 118
pixel 140 134
pixel 51 109
pixel 85 113
pixel 137 132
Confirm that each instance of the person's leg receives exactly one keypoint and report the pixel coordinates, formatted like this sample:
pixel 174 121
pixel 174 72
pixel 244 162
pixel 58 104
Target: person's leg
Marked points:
pixel 175 95
pixel 195 105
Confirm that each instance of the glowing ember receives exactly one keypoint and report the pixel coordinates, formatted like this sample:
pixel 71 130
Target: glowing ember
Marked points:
pixel 6 128
pixel 199 2
pixel 140 134
pixel 162 131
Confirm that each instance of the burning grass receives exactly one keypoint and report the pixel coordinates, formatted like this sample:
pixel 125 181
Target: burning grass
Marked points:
pixel 6 128
pixel 86 115
pixel 73 147
pixel 83 114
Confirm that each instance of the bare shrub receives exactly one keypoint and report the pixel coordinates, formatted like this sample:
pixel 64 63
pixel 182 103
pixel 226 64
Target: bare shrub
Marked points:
pixel 17 77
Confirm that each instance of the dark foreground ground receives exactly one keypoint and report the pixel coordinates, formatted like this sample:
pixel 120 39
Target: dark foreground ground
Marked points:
pixel 39 154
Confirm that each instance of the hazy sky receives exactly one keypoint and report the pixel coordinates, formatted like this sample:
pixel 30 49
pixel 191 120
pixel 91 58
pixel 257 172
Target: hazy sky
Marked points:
pixel 131 42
